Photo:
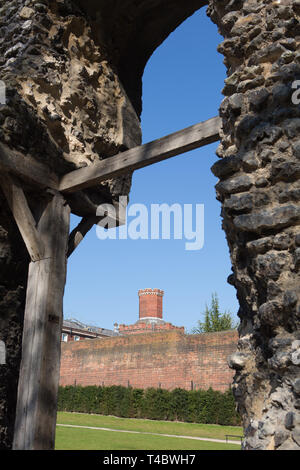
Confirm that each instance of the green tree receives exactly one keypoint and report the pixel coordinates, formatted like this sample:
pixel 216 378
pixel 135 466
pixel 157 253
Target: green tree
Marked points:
pixel 214 320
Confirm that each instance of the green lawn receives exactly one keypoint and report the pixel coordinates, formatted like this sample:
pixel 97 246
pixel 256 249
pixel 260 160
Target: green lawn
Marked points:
pixel 90 439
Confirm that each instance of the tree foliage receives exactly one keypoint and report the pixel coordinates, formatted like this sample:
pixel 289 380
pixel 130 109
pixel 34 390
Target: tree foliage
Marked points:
pixel 214 320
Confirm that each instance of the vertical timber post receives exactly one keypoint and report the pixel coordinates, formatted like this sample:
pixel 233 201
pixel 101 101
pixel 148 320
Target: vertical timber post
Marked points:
pixel 39 373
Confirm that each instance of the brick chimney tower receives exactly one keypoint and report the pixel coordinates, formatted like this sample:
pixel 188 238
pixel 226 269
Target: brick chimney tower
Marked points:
pixel 151 304
pixel 150 315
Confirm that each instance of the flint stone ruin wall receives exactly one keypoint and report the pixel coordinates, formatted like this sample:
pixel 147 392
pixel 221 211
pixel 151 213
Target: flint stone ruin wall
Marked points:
pixel 73 73
pixel 259 190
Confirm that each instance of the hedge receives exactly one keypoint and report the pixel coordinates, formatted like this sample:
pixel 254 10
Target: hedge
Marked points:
pixel 193 406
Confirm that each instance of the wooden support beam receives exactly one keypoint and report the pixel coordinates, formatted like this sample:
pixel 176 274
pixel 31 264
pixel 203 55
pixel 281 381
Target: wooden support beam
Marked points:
pixel 22 214
pixel 27 168
pixel 39 372
pixel 183 141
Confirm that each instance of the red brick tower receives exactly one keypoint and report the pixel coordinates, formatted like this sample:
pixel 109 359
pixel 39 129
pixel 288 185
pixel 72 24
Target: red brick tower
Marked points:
pixel 150 314
pixel 151 304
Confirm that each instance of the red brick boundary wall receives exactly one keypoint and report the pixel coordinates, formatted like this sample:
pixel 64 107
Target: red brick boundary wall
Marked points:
pixel 167 359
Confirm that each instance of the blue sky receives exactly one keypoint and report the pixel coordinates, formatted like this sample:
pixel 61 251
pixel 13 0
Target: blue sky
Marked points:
pixel 181 86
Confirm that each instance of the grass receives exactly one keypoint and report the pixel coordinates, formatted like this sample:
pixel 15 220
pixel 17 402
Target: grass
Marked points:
pixel 90 439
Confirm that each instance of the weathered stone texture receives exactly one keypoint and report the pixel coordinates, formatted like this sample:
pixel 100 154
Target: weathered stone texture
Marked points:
pixel 65 105
pixel 259 192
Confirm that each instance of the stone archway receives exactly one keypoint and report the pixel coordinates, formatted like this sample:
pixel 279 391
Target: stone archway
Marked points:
pixel 85 61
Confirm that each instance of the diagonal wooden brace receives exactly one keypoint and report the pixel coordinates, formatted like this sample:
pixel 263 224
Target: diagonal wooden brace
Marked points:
pixel 22 214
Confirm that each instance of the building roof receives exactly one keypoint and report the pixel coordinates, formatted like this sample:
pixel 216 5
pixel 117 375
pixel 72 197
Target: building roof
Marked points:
pixel 74 324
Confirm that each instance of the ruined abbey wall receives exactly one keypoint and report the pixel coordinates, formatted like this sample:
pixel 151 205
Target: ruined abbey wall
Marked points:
pixel 258 188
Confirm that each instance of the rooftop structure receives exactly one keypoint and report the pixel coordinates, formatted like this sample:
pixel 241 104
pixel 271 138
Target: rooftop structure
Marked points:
pixel 74 330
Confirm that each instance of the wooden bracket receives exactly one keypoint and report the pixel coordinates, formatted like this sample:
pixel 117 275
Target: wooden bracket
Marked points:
pixel 116 218
pixel 79 232
pixel 23 216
